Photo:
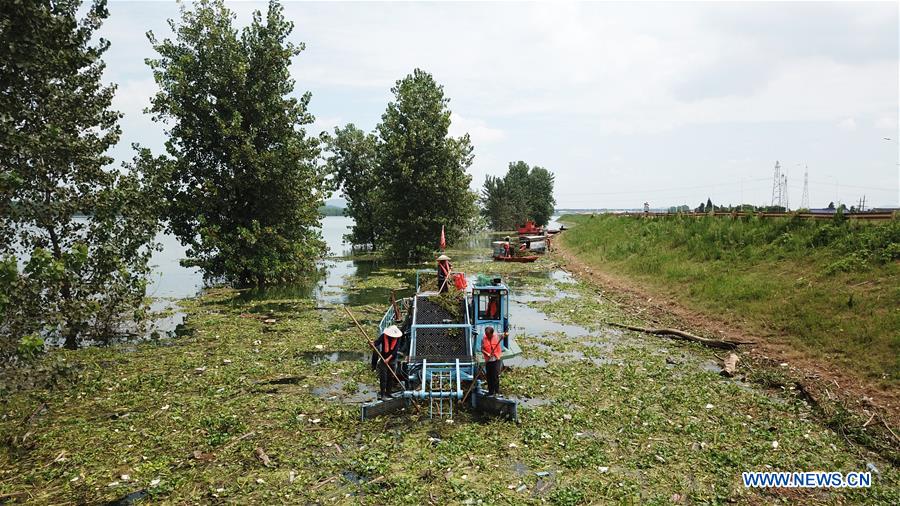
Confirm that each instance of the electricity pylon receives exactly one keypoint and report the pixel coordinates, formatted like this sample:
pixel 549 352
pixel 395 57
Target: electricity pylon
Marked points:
pixel 776 185
pixel 804 200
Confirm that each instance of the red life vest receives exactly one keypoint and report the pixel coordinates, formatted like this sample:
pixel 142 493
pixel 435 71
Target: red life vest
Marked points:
pixel 388 345
pixel 490 347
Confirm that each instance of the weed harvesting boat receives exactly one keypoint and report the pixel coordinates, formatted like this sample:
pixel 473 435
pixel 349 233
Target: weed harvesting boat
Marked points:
pixel 522 259
pixel 440 351
pixel 530 228
pixel 504 251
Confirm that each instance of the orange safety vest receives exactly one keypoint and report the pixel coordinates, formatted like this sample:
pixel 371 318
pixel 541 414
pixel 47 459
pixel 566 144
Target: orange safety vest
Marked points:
pixel 491 348
pixel 387 347
pixel 492 311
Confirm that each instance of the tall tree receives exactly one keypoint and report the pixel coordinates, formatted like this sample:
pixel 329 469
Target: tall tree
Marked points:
pixel 81 230
pixel 352 162
pixel 244 186
pixel 524 193
pixel 422 170
pixel 542 203
pixel 496 201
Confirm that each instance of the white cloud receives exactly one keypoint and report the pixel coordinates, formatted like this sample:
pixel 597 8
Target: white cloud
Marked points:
pixel 847 124
pixel 324 124
pixel 887 123
pixel 676 90
pixel 132 96
pixel 476 128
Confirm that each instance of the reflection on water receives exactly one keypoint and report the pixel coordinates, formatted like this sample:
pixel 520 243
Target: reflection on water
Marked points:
pixel 534 322
pixel 327 286
pixel 171 279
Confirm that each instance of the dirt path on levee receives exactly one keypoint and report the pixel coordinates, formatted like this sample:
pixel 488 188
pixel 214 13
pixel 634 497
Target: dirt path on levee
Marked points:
pixel 824 383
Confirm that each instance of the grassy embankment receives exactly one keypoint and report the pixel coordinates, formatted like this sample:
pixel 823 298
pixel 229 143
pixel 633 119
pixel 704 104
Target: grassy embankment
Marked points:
pixel 621 418
pixel 829 288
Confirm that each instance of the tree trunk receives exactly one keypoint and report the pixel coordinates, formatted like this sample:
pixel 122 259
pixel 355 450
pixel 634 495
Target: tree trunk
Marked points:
pixel 72 330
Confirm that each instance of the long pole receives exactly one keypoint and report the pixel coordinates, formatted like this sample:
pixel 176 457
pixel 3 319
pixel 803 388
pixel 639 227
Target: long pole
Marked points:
pixel 397 316
pixel 375 349
pixel 446 278
pixel 471 385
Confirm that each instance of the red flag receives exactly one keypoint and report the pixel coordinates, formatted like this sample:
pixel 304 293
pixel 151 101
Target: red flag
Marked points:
pixel 443 239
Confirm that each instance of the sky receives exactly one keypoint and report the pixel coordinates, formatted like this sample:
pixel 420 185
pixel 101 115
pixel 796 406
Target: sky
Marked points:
pixel 666 103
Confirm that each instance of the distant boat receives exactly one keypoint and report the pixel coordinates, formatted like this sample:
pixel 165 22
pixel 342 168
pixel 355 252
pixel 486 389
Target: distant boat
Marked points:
pixel 530 228
pixel 527 259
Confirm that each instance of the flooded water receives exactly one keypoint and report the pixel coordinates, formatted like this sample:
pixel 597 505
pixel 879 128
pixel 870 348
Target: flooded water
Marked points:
pixel 341 280
pixel 339 391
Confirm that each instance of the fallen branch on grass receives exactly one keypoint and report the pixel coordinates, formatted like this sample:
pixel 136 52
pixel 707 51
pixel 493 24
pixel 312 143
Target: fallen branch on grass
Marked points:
pixel 680 334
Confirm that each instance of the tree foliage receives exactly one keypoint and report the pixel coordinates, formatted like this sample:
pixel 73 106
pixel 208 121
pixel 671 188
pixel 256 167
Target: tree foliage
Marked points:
pixel 242 183
pixel 421 170
pixel 75 235
pixel 524 193
pixel 352 162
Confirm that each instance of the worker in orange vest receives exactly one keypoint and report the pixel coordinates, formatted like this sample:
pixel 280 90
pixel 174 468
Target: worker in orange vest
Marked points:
pixel 387 344
pixel 493 309
pixel 443 272
pixel 491 350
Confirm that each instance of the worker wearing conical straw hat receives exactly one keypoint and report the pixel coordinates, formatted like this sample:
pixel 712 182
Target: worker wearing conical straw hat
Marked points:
pixel 443 272
pixel 388 345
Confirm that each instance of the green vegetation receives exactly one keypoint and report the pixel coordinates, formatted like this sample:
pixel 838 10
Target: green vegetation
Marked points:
pixel 830 288
pixel 524 193
pixel 423 170
pixel 612 417
pixel 353 163
pixel 240 177
pixel 408 179
pixel 81 229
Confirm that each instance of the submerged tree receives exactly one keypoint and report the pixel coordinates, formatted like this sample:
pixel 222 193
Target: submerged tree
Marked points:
pixel 422 171
pixel 75 234
pixel 352 163
pixel 497 204
pixel 524 193
pixel 243 185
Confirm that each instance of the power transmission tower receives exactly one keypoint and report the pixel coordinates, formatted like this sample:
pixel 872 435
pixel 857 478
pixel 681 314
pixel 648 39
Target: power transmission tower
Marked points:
pixel 784 193
pixel 776 185
pixel 804 200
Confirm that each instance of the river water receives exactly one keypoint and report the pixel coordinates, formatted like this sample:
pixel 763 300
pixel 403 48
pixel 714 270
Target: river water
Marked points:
pixel 329 287
pixel 171 281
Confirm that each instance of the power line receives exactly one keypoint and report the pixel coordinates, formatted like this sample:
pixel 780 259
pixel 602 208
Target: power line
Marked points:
pixel 873 188
pixel 629 192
